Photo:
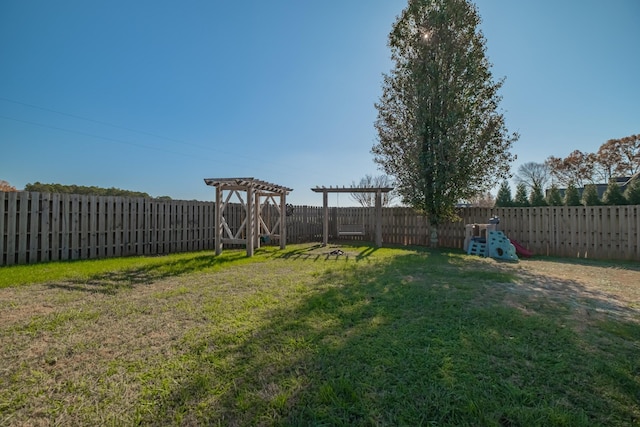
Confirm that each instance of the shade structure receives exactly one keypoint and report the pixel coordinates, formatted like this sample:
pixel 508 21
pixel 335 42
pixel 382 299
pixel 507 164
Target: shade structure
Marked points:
pixel 325 207
pixel 253 194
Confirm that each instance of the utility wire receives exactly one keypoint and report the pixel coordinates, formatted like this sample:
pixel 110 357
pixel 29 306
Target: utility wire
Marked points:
pixel 202 147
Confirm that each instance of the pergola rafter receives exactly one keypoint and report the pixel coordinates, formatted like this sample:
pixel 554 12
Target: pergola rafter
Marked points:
pixel 253 225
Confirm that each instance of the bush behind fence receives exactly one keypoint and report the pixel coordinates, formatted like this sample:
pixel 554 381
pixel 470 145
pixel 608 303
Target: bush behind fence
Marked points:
pixel 39 227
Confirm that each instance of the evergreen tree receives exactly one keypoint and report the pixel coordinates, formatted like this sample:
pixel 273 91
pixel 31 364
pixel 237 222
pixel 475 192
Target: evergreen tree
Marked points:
pixel 632 193
pixel 536 198
pixel 522 198
pixel 590 196
pixel 613 195
pixel 572 196
pixel 553 196
pixel 440 133
pixel 503 198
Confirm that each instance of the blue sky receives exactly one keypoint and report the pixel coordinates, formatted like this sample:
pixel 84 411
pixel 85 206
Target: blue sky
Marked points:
pixel 156 95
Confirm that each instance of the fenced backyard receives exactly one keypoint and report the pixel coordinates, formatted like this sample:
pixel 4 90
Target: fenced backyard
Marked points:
pixel 38 227
pixel 300 336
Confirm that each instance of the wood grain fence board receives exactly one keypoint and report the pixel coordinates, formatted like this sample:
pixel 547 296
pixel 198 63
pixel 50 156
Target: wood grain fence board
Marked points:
pixel 34 226
pixel 3 231
pixel 45 228
pixel 11 228
pixel 55 227
pixel 148 227
pixel 74 223
pixel 140 227
pixel 133 227
pixel 117 227
pixel 633 250
pixel 637 231
pixel 85 211
pixel 23 227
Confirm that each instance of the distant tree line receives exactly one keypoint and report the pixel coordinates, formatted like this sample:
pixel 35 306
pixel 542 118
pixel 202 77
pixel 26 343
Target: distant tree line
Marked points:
pixel 85 190
pixel 578 174
pixel 613 195
pixel 615 158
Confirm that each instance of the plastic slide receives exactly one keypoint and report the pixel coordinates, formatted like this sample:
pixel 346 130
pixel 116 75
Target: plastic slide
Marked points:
pixel 521 250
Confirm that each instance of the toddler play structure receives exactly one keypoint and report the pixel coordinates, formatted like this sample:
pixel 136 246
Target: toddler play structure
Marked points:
pixel 487 240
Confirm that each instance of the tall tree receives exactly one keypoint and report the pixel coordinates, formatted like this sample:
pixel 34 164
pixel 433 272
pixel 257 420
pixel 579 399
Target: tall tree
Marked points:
pixel 440 133
pixel 533 175
pixel 577 167
pixel 628 153
pixel 369 199
pixel 608 160
pixel 5 186
pixel 503 198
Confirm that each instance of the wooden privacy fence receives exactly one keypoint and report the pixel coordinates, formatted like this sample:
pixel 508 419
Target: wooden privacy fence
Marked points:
pixel 39 227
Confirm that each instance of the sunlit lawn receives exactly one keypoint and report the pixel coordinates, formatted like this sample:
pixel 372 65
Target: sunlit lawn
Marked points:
pixel 393 336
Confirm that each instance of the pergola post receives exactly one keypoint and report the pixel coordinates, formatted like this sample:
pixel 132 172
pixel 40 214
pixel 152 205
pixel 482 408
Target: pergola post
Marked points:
pixel 325 218
pixel 379 218
pixel 251 214
pixel 218 222
pixel 256 225
pixel 283 222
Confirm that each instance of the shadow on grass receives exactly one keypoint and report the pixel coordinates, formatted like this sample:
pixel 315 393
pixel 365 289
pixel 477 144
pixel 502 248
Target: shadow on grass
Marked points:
pixel 335 252
pixel 429 338
pixel 112 282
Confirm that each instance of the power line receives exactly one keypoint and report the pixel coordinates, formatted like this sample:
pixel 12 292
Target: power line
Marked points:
pixel 202 147
pixel 106 138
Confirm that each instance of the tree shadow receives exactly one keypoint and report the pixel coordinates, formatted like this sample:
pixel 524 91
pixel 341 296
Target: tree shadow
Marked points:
pixel 414 342
pixel 112 282
pixel 331 252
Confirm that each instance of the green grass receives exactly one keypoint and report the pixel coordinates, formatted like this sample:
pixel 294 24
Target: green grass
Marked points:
pixel 298 337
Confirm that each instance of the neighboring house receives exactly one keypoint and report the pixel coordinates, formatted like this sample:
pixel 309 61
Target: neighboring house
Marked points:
pixel 623 182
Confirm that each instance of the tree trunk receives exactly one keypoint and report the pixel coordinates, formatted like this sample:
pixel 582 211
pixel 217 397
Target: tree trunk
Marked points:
pixel 434 236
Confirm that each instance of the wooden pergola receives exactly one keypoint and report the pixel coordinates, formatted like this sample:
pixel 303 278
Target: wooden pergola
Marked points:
pixel 253 226
pixel 325 207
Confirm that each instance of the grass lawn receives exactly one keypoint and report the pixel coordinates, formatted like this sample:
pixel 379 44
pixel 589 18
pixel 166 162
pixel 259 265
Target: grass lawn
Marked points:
pixel 373 337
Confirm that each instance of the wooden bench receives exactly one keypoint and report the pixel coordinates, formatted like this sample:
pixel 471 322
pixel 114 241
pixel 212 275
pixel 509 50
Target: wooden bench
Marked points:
pixel 350 230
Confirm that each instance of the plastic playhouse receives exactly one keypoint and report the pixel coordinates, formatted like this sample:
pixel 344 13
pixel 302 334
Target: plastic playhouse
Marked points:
pixel 487 240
